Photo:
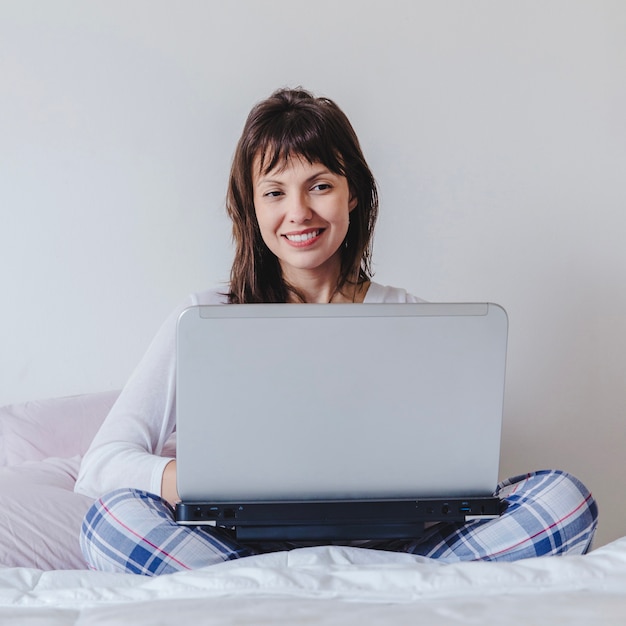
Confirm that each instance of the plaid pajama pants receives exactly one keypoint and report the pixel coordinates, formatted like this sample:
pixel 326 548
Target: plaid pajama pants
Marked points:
pixel 548 513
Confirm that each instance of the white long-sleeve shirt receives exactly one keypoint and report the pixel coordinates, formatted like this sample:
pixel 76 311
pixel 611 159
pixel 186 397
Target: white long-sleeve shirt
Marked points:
pixel 137 439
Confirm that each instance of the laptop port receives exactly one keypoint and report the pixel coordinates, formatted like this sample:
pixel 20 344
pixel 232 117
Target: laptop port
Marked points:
pixel 212 513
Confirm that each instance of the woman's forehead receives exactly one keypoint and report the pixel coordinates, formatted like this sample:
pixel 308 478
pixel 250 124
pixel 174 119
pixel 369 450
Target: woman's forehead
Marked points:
pixel 276 160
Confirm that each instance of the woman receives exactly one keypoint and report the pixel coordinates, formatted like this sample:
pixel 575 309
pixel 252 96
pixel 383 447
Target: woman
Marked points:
pixel 303 203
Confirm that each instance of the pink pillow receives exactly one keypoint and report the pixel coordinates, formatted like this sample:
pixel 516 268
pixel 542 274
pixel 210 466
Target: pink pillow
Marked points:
pixel 41 444
pixel 60 427
pixel 40 515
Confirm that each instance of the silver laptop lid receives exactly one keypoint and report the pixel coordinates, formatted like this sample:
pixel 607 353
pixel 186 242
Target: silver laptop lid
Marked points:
pixel 306 401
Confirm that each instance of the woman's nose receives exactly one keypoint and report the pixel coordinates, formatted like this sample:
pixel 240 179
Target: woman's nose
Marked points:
pixel 299 209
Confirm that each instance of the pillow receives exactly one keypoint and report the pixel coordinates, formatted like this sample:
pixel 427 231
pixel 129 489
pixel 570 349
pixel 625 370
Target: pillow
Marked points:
pixel 40 515
pixel 59 427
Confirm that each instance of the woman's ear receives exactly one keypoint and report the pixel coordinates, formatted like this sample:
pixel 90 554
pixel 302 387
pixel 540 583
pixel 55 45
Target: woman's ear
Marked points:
pixel 353 201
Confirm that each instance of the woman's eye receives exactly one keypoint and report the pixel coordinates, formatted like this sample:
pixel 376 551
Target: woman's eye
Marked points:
pixel 272 194
pixel 321 187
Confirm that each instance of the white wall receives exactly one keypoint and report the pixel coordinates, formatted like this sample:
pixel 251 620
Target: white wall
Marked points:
pixel 496 130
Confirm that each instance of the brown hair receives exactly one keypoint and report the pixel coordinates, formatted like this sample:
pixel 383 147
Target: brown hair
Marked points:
pixel 292 122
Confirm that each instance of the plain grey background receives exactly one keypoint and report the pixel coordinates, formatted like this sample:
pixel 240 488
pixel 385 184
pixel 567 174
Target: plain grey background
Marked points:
pixel 496 130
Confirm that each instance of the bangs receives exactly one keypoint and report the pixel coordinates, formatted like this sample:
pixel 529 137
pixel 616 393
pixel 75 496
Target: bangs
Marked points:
pixel 297 140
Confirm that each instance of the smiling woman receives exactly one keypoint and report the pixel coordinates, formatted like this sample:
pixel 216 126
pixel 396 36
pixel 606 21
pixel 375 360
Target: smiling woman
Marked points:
pixel 303 203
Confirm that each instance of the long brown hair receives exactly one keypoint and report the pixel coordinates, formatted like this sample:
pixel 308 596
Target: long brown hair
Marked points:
pixel 293 122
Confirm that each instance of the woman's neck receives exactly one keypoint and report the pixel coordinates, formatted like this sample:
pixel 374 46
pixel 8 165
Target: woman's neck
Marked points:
pixel 319 284
pixel 328 292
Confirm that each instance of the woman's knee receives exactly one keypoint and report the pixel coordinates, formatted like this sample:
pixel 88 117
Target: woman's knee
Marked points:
pixel 558 499
pixel 115 521
pixel 553 484
pixel 132 505
pixel 134 531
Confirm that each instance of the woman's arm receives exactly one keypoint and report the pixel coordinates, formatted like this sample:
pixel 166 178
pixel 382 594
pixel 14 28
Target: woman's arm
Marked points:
pixel 130 449
pixel 127 450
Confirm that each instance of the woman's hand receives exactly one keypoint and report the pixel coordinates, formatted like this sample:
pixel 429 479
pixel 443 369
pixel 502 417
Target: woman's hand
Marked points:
pixel 169 491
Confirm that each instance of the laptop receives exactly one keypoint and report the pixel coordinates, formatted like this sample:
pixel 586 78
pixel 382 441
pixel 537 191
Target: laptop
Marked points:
pixel 316 422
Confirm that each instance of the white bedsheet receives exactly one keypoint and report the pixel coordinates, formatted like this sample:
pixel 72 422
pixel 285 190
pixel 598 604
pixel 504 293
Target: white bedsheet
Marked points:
pixel 330 585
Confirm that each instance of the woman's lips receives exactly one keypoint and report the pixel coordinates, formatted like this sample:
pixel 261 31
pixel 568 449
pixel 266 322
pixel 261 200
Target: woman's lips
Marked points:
pixel 304 238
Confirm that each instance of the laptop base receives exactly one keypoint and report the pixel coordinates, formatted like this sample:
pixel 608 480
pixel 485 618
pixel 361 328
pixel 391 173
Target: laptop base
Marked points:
pixel 330 532
pixel 336 520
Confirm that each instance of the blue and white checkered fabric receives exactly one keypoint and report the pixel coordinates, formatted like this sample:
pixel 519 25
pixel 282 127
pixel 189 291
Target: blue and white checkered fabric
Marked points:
pixel 135 531
pixel 548 513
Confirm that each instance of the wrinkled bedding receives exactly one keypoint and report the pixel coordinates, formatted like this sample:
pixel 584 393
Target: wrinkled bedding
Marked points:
pixel 331 585
pixel 43 579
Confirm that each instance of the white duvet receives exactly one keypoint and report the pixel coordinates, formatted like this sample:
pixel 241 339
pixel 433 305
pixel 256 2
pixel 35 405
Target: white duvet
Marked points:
pixel 330 585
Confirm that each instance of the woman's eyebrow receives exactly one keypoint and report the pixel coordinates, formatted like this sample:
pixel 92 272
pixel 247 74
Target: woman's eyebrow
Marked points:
pixel 322 172
pixel 269 179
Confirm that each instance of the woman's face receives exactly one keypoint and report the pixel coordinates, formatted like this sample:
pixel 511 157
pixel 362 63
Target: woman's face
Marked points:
pixel 303 213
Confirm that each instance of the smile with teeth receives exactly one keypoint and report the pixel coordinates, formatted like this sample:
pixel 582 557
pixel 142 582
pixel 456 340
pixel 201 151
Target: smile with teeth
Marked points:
pixel 303 237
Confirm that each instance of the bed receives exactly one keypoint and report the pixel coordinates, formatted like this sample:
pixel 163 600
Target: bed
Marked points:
pixel 43 579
